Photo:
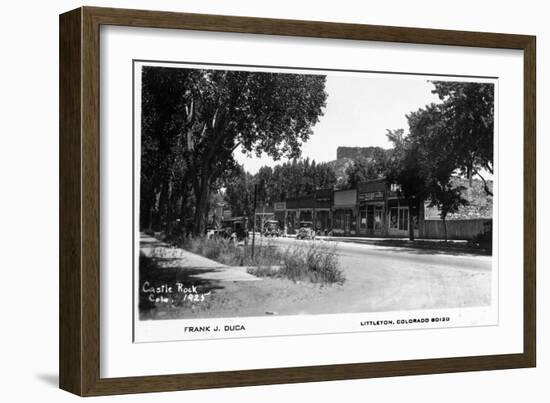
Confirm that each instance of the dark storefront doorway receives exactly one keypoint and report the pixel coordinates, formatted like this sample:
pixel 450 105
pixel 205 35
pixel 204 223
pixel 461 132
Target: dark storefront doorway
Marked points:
pixel 371 219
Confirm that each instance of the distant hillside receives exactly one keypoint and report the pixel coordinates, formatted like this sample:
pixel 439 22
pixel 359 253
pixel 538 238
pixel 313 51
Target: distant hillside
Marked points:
pixel 339 168
pixel 480 205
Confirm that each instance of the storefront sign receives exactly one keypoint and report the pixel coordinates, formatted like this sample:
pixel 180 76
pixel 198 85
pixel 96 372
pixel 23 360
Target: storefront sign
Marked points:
pixel 371 196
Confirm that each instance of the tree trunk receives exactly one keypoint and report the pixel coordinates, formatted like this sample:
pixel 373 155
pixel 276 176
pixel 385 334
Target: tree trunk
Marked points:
pixel 155 211
pixel 151 213
pixel 163 206
pixel 169 207
pixel 485 185
pixel 470 174
pixel 201 204
pixel 183 206
pixel 445 228
pixel 411 222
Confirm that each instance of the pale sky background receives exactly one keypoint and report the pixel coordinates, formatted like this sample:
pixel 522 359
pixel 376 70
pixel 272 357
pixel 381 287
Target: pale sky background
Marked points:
pixel 358 111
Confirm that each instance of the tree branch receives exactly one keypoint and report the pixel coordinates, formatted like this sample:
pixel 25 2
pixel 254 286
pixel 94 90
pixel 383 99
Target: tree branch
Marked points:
pixel 485 184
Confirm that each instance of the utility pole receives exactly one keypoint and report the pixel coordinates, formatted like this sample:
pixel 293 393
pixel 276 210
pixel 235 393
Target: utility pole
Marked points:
pixel 254 220
pixel 262 221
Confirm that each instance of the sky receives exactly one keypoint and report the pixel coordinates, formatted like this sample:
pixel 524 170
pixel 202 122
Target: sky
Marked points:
pixel 358 112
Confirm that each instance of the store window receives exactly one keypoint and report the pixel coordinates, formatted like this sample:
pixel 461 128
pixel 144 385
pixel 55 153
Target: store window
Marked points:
pixel 394 218
pixel 370 217
pixel 399 218
pixel 353 219
pixel 378 213
pixel 363 216
pixel 338 219
pixel 403 218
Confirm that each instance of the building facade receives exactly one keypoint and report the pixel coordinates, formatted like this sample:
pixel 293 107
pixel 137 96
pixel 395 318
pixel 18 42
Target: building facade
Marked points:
pixel 314 209
pixel 383 212
pixel 344 213
pixel 373 209
pixel 377 209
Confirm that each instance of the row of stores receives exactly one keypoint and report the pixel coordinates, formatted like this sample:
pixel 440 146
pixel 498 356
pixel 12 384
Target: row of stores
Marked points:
pixel 373 209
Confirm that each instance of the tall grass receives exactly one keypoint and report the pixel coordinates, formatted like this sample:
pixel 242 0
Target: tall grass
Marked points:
pixel 310 261
pixel 229 253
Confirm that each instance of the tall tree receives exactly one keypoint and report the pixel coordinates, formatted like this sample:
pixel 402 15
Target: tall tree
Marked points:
pixel 406 167
pixel 266 185
pixel 163 188
pixel 258 112
pixel 468 110
pixel 290 179
pixel 363 169
pixel 423 163
pixel 448 199
pixel 239 192
pixel 299 178
pixel 219 111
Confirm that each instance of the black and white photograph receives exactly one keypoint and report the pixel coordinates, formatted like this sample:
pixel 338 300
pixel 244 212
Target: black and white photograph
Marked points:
pixel 243 201
pixel 273 192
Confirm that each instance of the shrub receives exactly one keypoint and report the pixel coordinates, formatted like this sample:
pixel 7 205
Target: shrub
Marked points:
pixel 306 262
pixel 229 253
pixel 313 262
pixel 485 239
pixel 220 250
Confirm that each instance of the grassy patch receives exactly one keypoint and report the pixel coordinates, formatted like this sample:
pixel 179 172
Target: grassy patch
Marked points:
pixel 311 262
pixel 229 253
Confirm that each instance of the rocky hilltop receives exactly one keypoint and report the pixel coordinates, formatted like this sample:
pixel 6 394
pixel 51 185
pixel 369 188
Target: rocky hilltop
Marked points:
pixel 345 157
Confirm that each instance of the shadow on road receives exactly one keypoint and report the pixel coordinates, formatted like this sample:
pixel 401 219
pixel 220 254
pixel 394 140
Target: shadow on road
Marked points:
pixel 156 273
pixel 433 251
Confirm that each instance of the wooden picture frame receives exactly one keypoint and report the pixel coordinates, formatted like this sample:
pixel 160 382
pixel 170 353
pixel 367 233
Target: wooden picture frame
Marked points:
pixel 79 348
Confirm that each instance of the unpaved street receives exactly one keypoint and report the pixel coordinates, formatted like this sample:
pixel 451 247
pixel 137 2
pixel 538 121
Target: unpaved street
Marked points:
pixel 381 278
pixel 378 278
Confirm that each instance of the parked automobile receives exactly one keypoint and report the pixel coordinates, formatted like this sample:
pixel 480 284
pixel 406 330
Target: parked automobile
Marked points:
pixel 237 228
pixel 271 228
pixel 306 230
pixel 216 233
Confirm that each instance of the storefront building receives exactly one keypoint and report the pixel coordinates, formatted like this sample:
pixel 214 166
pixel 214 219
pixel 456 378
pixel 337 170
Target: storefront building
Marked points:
pixel 292 221
pixel 314 209
pixel 382 212
pixel 306 206
pixel 322 220
pixel 280 214
pixel 344 213
pixel 400 213
pixel 374 209
pixel 372 204
pixel 264 213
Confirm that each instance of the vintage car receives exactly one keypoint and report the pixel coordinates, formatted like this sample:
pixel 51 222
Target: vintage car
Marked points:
pixel 271 228
pixel 236 228
pixel 306 230
pixel 217 233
